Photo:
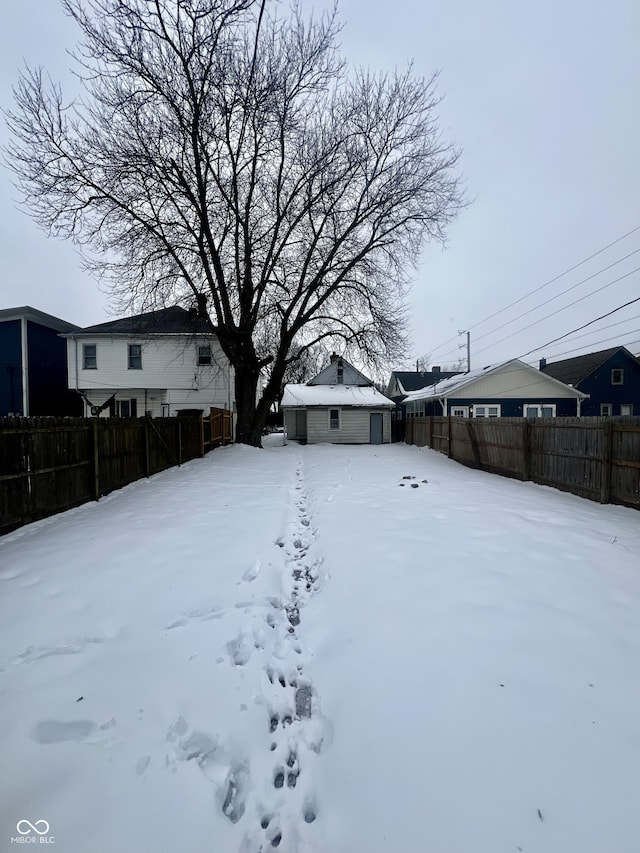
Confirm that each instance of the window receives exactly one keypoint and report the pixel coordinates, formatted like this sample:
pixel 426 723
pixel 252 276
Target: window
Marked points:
pixel 204 355
pixel 334 418
pixel 626 409
pixel 89 357
pixel 606 410
pixel 135 356
pixel 460 411
pixel 538 410
pixel 617 376
pixel 486 411
pixel 126 408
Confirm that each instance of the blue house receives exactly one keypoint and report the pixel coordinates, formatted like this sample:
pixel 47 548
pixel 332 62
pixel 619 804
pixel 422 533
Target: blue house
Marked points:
pixel 610 377
pixel 507 390
pixel 33 365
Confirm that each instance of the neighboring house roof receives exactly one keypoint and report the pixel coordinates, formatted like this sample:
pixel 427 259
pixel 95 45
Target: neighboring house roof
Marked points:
pixel 574 370
pixel 329 375
pixel 333 395
pixel 466 380
pixel 28 313
pixel 166 321
pixel 413 380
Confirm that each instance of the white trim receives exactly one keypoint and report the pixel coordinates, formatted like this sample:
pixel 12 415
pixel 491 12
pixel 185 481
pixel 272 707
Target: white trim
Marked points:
pixel 608 414
pixel 339 411
pixel 539 407
pixel 483 406
pixel 619 370
pixel 628 406
pixel 464 409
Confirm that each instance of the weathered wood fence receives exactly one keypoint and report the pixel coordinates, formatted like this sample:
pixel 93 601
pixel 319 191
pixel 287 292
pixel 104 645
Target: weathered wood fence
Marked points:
pixel 48 465
pixel 596 458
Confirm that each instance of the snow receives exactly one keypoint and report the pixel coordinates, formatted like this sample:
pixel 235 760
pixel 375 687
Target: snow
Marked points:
pixel 447 386
pixel 323 649
pixel 334 395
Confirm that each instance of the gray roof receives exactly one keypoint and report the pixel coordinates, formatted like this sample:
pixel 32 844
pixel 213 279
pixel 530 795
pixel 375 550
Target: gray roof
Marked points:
pixel 166 321
pixel 413 380
pixel 29 313
pixel 573 370
pixel 350 374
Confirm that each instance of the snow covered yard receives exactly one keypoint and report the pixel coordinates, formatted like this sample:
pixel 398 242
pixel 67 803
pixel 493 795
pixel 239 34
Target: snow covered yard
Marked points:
pixel 298 648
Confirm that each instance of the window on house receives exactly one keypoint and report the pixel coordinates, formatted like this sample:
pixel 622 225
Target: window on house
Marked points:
pixel 126 408
pixel 626 409
pixel 539 411
pixel 606 410
pixel 334 418
pixel 617 376
pixel 460 411
pixel 89 357
pixel 204 355
pixel 486 411
pixel 135 356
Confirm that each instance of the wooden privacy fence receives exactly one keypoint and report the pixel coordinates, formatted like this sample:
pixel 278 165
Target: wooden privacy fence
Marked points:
pixel 596 458
pixel 217 428
pixel 48 465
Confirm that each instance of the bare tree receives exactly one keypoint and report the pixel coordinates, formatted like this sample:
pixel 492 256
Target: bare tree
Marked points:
pixel 222 152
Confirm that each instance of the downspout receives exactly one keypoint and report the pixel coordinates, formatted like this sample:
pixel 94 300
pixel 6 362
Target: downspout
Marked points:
pixel 24 354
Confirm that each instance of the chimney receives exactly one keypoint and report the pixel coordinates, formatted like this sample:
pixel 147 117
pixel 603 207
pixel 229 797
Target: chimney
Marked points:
pixel 543 363
pixel 417 365
pixel 334 356
pixel 435 368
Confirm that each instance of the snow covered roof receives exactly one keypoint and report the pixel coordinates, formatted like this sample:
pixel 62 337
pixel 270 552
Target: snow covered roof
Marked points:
pixel 333 395
pixel 448 386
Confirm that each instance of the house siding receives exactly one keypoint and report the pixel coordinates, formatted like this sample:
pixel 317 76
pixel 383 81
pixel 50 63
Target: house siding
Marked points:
pixel 49 394
pixel 598 386
pixel 511 408
pixel 354 425
pixel 170 374
pixel 10 368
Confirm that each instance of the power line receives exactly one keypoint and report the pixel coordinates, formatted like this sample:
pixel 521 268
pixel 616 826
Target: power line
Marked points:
pixel 610 326
pixel 560 275
pixel 584 326
pixel 558 295
pixel 542 286
pixel 560 310
pixel 595 343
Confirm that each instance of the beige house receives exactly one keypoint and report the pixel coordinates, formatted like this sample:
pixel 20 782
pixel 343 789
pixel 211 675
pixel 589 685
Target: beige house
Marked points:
pixel 340 406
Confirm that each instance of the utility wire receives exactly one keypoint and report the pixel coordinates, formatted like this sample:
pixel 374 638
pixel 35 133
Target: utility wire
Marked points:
pixel 560 310
pixel 595 343
pixel 584 326
pixel 558 295
pixel 542 286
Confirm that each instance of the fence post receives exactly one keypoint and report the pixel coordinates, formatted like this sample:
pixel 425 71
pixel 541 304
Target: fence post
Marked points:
pixel 605 482
pixel 201 436
pixel 96 459
pixel 526 451
pixel 179 441
pixel 146 446
pixel 450 448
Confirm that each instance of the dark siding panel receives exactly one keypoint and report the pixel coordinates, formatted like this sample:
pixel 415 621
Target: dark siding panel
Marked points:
pixel 48 391
pixel 10 367
pixel 598 386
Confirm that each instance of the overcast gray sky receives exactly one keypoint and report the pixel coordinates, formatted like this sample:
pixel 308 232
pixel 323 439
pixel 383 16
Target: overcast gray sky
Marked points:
pixel 543 98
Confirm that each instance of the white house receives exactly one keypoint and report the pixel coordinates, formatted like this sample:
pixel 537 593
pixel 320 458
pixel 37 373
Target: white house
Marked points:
pixel 160 362
pixel 339 405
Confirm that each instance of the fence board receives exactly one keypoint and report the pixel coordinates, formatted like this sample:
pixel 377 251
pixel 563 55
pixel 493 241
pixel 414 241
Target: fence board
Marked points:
pixel 596 458
pixel 51 464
